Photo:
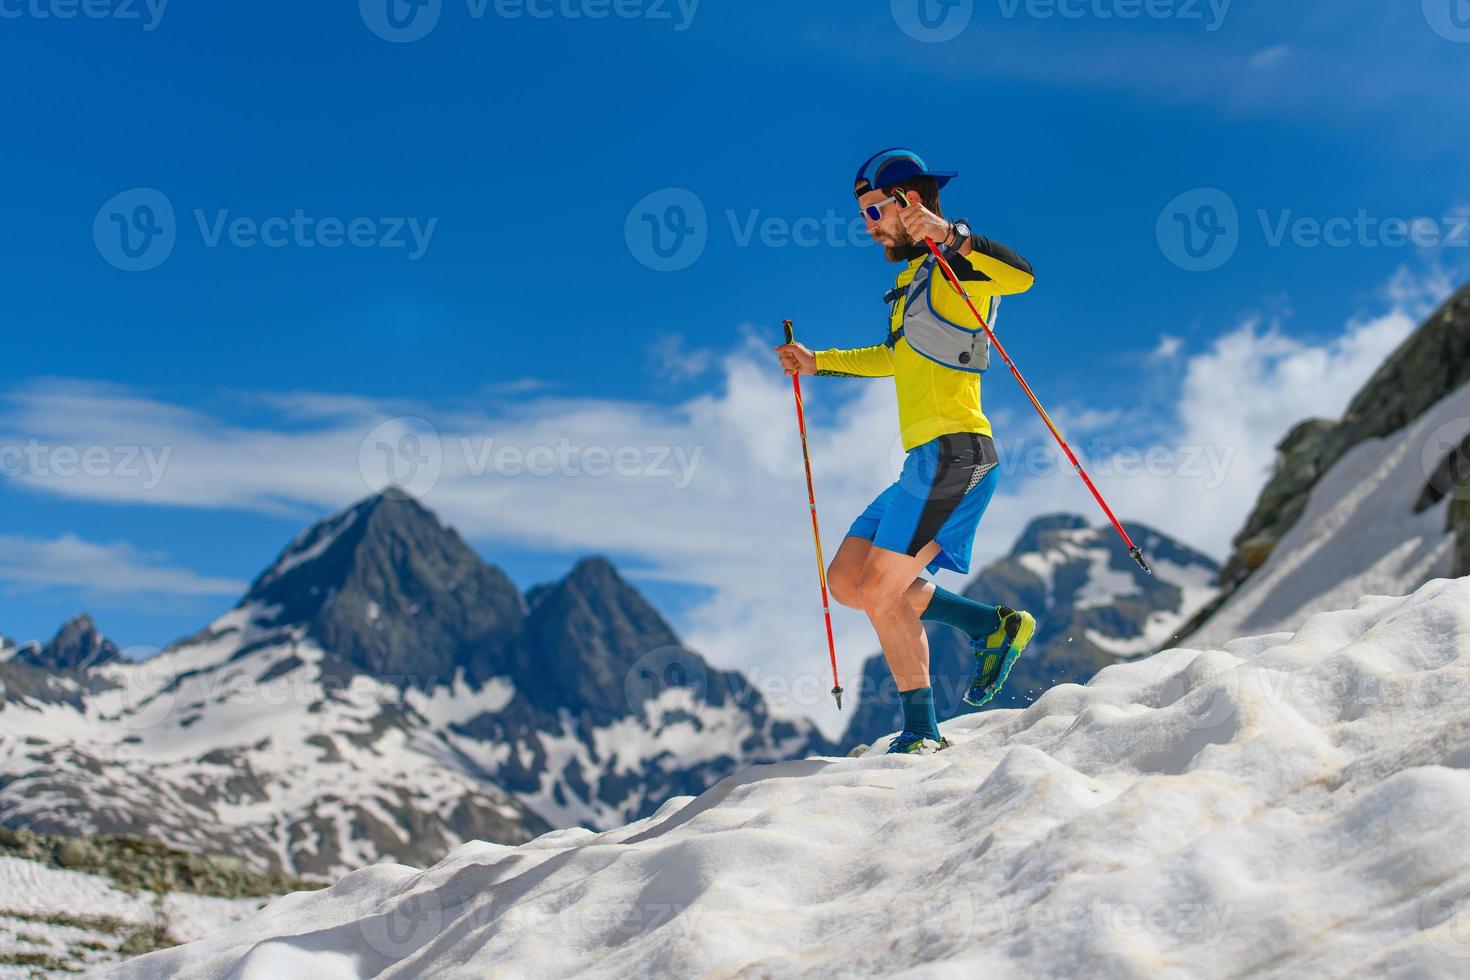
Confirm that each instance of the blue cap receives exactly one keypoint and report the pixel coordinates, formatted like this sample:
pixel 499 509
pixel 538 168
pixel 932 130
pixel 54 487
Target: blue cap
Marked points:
pixel 893 166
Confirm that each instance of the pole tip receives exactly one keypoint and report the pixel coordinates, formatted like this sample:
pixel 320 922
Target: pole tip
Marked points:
pixel 837 693
pixel 1137 554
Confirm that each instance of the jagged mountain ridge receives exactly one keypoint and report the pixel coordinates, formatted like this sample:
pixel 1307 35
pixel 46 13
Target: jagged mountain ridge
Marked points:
pixel 1093 606
pixel 381 692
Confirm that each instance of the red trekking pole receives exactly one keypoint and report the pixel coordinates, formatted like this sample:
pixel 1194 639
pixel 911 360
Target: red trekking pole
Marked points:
pixel 811 493
pixel 1133 549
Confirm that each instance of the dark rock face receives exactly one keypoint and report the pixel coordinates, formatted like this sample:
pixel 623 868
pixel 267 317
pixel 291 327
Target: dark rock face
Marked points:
pixel 387 590
pixel 587 631
pixel 1090 601
pixel 77 646
pixel 1433 362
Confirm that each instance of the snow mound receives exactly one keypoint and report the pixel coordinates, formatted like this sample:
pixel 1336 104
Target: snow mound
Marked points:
pixel 1289 805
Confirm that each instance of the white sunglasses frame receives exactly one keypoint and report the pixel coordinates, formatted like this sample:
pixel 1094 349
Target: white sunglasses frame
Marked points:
pixel 878 206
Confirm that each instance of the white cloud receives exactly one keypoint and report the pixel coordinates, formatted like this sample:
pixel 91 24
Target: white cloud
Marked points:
pixel 1168 348
pixel 1270 57
pixel 112 569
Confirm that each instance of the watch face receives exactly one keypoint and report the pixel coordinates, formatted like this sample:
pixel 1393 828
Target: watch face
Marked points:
pixel 963 227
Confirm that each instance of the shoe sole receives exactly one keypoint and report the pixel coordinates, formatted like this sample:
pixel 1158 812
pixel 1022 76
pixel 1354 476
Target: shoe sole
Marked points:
pixel 1024 633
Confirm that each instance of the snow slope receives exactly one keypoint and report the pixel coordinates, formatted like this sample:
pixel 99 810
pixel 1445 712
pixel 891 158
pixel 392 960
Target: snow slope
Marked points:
pixel 1289 805
pixel 1359 534
pixel 77 920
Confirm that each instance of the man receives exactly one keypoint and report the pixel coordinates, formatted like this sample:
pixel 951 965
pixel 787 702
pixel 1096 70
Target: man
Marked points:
pixel 936 354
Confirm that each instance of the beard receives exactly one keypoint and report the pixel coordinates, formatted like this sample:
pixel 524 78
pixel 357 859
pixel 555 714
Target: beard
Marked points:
pixel 905 249
pixel 906 252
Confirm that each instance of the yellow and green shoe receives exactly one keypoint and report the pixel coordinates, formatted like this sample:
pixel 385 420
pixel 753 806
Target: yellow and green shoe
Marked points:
pixel 995 657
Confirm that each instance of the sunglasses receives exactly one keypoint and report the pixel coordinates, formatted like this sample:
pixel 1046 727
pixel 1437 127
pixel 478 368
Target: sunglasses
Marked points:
pixel 874 212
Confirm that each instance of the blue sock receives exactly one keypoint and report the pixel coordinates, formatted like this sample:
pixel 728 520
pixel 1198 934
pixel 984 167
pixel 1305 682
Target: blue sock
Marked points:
pixel 918 712
pixel 966 615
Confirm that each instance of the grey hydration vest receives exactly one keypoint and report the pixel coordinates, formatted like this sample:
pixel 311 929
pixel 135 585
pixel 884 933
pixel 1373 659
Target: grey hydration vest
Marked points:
pixel 934 337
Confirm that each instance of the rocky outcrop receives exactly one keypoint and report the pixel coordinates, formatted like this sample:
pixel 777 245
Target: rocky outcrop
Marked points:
pixel 77 646
pixel 1432 363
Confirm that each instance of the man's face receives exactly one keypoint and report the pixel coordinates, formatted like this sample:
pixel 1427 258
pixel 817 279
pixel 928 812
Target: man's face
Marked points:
pixel 888 231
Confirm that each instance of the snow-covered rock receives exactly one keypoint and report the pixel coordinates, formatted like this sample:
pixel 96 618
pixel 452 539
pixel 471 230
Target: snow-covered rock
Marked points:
pixel 1365 529
pixel 1375 502
pixel 1284 806
pixel 379 693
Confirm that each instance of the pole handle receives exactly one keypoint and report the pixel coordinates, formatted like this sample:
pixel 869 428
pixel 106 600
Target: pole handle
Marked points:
pixel 790 334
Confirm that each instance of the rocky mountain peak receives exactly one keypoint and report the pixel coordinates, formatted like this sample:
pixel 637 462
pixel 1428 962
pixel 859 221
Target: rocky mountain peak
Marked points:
pixel 1037 534
pixel 391 591
pixel 589 628
pixel 78 645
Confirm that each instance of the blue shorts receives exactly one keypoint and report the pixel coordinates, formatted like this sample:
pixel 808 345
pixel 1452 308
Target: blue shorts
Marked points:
pixel 943 490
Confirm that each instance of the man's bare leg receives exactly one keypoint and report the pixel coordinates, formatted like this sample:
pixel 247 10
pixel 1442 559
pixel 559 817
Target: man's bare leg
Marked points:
pixel 887 579
pixel 846 572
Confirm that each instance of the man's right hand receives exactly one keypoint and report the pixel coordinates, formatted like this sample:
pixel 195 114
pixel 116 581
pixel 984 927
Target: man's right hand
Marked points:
pixel 796 359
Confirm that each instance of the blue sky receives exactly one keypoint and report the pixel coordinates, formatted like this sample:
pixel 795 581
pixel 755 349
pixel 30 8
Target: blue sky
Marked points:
pixel 531 144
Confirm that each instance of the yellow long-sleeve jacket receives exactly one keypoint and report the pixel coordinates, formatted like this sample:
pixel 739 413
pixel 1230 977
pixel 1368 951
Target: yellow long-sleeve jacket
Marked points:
pixel 934 400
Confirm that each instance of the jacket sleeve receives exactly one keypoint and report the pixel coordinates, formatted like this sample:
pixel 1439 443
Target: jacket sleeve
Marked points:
pixel 991 269
pixel 998 266
pixel 861 362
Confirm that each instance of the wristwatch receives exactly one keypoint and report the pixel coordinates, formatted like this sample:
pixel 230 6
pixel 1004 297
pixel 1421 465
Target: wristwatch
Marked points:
pixel 961 231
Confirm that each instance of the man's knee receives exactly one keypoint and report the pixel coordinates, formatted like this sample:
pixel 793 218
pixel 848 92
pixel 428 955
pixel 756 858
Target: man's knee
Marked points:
pixel 842 585
pixel 876 591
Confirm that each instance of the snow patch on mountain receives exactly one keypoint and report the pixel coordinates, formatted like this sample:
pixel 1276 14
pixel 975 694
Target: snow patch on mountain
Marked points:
pixel 1359 533
pixel 1289 805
